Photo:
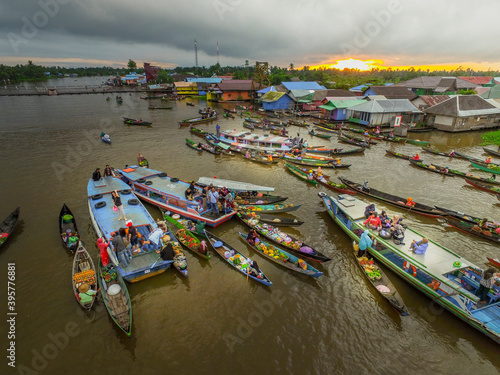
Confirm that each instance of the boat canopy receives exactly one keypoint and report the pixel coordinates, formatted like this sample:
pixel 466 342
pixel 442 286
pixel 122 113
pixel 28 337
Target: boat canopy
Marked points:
pixel 233 185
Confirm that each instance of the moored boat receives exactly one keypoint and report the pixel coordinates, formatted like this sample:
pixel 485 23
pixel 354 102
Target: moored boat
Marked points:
pixel 235 259
pixel 399 155
pixel 347 140
pixel 317 163
pixel 268 208
pixel 339 188
pixel 444 276
pixel 8 225
pixel 194 145
pixel 492 152
pixel 265 199
pixel 198 132
pixel 334 151
pixel 274 220
pixel 313 133
pixel 84 272
pixel 492 168
pixel 488 188
pixel 187 238
pixel 282 257
pixel 68 229
pixel 300 173
pixel 197 120
pixel 432 168
pixel 133 121
pixel 474 229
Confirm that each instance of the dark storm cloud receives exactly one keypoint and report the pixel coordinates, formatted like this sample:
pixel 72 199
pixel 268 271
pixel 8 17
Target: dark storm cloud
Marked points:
pixel 281 32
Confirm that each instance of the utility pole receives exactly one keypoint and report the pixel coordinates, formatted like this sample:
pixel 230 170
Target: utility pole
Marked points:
pixel 196 53
pixel 218 53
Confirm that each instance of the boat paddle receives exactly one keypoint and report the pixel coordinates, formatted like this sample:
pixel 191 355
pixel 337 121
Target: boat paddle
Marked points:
pixel 154 264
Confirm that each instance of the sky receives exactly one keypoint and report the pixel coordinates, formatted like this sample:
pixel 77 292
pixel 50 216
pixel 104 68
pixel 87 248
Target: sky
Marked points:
pixel 387 33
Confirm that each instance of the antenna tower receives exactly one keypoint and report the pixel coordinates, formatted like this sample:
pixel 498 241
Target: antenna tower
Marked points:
pixel 196 53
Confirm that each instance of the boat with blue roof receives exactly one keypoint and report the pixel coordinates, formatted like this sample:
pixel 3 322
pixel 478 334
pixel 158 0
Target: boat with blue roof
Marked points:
pixel 159 189
pixel 104 220
pixel 450 280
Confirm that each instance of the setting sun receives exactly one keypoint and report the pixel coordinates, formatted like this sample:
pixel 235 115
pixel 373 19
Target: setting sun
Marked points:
pixel 351 63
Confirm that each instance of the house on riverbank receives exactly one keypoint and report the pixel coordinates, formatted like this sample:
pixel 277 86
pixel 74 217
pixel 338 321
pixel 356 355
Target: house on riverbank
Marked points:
pixel 383 112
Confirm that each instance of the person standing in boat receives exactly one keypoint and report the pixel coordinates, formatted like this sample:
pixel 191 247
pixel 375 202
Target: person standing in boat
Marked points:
pixel 217 128
pixel 96 176
pixel 364 243
pixel 486 283
pixel 117 202
pixel 108 172
pixel 132 236
pixel 119 248
pixel 213 197
pixel 103 250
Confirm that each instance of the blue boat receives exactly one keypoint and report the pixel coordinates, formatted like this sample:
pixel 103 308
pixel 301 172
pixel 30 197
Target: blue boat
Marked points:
pixel 104 219
pixel 450 280
pixel 166 192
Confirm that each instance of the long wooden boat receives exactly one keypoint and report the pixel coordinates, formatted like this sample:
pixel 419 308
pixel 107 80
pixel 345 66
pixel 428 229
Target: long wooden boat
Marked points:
pixel 261 159
pixel 313 133
pixel 156 107
pixel 309 158
pixel 187 238
pixel 190 104
pixel 143 264
pixel 369 139
pixel 179 261
pixel 252 126
pixel 492 168
pixel 269 208
pixel 327 129
pixel 494 261
pixel 193 145
pixel 440 153
pixel 394 139
pixel 431 168
pixel 284 239
pixel 274 220
pixel 237 186
pixel 220 146
pixel 133 121
pixel 115 296
pixel 334 151
pixel 84 271
pixel 317 163
pixel 488 188
pixel 441 274
pixel 339 188
pixel 167 192
pixel 193 227
pixel 418 208
pixel 8 225
pixel 282 257
pixel 237 260
pixel 67 225
pixel 298 123
pixel 401 156
pixel 420 129
pixel 363 144
pixel 473 229
pixel 197 120
pixel 265 199
pixel 300 173
pixel 491 152
pixel 211 149
pixel 198 132
pixel 417 142
pixel 473 177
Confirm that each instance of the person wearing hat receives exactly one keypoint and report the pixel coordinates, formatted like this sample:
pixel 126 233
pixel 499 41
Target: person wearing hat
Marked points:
pixel 132 236
pixel 310 176
pixel 103 250
pixel 486 283
pixel 85 294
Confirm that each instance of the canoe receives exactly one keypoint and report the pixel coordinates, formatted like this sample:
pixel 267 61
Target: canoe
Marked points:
pixel 261 159
pixel 185 224
pixel 211 149
pixel 489 189
pixel 436 152
pixel 179 261
pixel 282 257
pixel 221 247
pixel 494 261
pixel 401 156
pixel 340 188
pixel 369 137
pixel 265 199
pixel 420 129
pixel 491 168
pixel 355 143
pixel 327 129
pixel 67 222
pixel 317 163
pixel 190 104
pixel 253 126
pixel 436 169
pixel 491 152
pixel 133 121
pixel 319 135
pixel 115 296
pixel 464 217
pixel 270 208
pixel 394 139
pixel 197 120
pixel 142 162
pixel 283 239
pixel 378 278
pixel 298 123
pixel 334 151
pixel 193 145
pixel 198 132
pixel 171 107
pixel 419 208
pixel 84 271
pixel 416 142
pixel 309 158
pixel 187 238
pixel 222 147
pixel 473 229
pixel 274 220
pixel 300 173
pixel 8 225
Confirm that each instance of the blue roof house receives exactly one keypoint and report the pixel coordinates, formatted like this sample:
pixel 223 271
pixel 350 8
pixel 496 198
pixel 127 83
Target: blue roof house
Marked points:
pixel 273 100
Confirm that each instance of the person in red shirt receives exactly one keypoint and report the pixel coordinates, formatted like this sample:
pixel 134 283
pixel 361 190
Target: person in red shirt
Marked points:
pixel 373 222
pixel 103 249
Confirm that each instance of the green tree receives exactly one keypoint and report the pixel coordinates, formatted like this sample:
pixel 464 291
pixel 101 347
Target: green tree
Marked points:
pixel 131 64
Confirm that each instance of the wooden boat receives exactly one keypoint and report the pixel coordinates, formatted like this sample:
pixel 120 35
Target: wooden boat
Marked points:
pixel 67 223
pixel 187 238
pixel 84 271
pixel 193 227
pixel 266 199
pixel 8 225
pixel 492 168
pixel 418 208
pixel 249 119
pixel 197 120
pixel 431 167
pixel 190 104
pixel 193 145
pixel 274 220
pixel 317 163
pixel 492 152
pixel 312 158
pixel 281 132
pixel 142 161
pixel 268 208
pixel 144 263
pixel 416 142
pixel 198 132
pixel 368 139
pixel 334 151
pixel 300 173
pixel 133 121
pixel 179 261
pixel 253 126
pixel 394 139
pixel 340 188
pixel 436 152
pixel 283 239
pixel 105 139
pixel 282 257
pixel 222 248
pixel 472 177
pixel 401 156
pixel 488 188
pixel 327 129
pixel 420 129
pixel 261 159
pixel 494 261
pixel 473 229
pixel 355 143
pixel 444 276
pixel 115 296
pixel 228 115
pixel 119 99
pixel 379 280
pixel 319 135
pixel 211 149
pixel 219 146
pixel 170 107
pixel 297 123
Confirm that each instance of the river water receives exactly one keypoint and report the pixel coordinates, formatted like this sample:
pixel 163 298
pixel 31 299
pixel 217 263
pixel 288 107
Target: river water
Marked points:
pixel 215 321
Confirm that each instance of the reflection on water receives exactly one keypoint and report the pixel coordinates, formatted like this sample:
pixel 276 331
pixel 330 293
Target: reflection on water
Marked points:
pixel 216 321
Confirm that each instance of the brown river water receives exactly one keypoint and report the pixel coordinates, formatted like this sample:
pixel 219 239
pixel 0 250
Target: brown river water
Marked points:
pixel 217 322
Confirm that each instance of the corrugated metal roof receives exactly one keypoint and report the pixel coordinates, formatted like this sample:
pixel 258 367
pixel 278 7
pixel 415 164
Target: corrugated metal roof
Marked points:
pixel 236 85
pixel 393 92
pixel 344 103
pixel 296 94
pixel 432 100
pixel 303 85
pixel 185 84
pixel 386 106
pixel 478 80
pixel 464 106
pixel 206 80
pixel 359 88
pixel 431 82
pixel 263 91
pixel 272 96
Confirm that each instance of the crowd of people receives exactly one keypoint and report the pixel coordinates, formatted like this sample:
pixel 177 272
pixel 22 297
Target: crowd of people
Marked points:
pixel 213 200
